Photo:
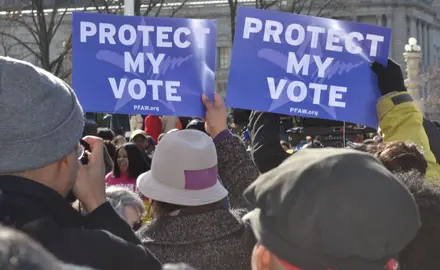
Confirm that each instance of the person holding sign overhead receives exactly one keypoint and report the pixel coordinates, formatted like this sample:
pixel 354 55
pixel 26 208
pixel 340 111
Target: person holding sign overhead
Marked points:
pixel 400 120
pixel 192 224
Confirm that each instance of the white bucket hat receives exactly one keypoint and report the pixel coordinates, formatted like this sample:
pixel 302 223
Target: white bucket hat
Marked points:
pixel 183 171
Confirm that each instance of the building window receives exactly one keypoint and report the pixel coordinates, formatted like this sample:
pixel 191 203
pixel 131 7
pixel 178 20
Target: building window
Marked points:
pixel 223 57
pixel 368 19
pixel 384 21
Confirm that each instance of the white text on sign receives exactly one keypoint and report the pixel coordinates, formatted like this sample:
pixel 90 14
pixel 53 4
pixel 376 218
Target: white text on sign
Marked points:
pixel 140 63
pixel 295 35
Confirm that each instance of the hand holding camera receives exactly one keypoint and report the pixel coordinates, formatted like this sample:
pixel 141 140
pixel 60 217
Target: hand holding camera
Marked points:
pixel 89 187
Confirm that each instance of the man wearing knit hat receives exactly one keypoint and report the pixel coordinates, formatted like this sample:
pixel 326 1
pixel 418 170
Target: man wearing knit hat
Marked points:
pixel 332 209
pixel 41 123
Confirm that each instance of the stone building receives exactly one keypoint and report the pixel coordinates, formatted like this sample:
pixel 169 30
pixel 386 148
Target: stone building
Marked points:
pixel 407 18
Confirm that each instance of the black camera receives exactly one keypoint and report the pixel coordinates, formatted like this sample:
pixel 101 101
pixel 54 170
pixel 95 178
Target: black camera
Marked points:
pixel 85 159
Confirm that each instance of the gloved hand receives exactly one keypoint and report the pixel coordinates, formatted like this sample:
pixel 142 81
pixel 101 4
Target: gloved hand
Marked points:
pixel 390 78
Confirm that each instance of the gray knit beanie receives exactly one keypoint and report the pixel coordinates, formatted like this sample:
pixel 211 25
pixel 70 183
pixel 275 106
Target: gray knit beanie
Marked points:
pixel 41 120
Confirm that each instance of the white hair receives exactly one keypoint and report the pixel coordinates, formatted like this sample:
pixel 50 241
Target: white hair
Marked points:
pixel 119 197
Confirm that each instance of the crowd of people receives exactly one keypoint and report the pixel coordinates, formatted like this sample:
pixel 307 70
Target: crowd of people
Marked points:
pixel 194 195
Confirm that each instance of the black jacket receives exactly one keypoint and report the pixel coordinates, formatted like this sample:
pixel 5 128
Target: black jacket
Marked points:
pixel 266 149
pixel 101 240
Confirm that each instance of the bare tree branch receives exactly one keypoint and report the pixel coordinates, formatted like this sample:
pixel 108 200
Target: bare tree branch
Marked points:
pixel 20 42
pixel 53 27
pixel 66 74
pixel 159 8
pixel 314 7
pixel 151 5
pixel 175 10
pixel 301 7
pixel 56 64
pixel 266 4
pixel 323 7
pixel 309 11
pixel 14 20
pixel 293 6
pixel 43 25
pixel 106 6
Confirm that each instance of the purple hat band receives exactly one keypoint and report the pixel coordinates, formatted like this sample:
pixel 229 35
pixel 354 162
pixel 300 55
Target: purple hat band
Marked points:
pixel 201 179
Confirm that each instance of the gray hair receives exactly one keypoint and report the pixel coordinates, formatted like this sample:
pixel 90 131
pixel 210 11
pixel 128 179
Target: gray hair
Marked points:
pixel 119 197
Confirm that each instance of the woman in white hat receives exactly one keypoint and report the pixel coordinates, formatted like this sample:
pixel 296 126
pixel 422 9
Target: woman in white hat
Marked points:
pixel 192 225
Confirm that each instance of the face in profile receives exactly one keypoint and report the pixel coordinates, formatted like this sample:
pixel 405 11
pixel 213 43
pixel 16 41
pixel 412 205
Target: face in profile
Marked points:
pixel 74 164
pixel 67 171
pixel 122 160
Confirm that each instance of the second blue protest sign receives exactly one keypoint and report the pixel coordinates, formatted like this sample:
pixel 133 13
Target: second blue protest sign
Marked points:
pixel 306 66
pixel 143 65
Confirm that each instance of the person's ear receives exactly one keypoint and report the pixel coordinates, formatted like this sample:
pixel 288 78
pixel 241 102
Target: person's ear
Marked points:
pixel 261 258
pixel 64 162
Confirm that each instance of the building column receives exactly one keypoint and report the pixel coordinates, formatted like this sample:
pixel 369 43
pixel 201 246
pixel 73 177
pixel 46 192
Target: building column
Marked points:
pixel 430 34
pixel 419 32
pixel 413 27
pixel 425 46
pixel 400 34
pixel 390 25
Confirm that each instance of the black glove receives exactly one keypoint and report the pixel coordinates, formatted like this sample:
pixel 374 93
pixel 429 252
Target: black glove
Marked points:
pixel 390 78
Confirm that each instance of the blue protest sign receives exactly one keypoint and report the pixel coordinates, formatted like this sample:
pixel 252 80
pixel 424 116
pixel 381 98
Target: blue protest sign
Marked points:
pixel 143 65
pixel 306 66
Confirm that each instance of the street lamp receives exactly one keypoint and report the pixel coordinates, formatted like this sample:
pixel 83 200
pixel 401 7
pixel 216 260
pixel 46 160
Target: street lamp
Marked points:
pixel 412 46
pixel 412 57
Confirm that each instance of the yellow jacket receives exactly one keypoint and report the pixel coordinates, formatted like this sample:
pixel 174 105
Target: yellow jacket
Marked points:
pixel 401 120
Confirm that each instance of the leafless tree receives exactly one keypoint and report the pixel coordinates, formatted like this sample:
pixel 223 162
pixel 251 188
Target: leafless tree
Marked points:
pixel 38 31
pixel 154 8
pixel 8 48
pixel 260 4
pixel 106 6
pixel 318 8
pixel 33 29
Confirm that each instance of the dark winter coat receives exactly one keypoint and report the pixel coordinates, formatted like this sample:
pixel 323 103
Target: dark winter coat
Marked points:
pixel 101 240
